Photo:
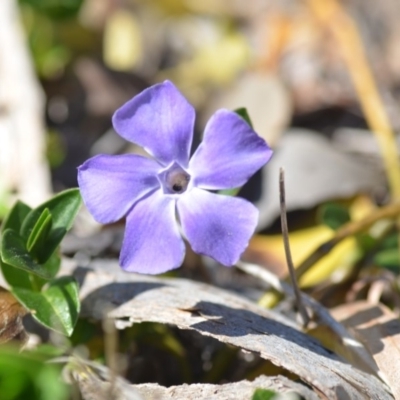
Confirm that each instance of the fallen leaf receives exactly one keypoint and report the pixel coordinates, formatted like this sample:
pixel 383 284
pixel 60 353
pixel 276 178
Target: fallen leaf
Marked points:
pixel 269 251
pixel 378 328
pixel 11 314
pixel 224 316
pixel 314 172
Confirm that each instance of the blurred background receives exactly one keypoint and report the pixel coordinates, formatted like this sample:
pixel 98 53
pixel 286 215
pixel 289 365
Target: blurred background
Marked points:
pixel 320 81
pixel 316 79
pixel 281 60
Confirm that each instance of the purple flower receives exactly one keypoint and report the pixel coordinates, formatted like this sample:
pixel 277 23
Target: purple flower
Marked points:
pixel 154 192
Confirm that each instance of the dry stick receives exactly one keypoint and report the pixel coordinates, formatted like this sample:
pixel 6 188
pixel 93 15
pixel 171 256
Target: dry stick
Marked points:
pixel 285 233
pixel 350 229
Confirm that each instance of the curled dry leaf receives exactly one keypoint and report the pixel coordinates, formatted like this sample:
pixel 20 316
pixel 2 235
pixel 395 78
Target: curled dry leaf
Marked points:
pixel 11 314
pixel 378 328
pixel 224 316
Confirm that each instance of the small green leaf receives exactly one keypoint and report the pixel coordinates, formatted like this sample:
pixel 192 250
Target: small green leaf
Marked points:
pixel 263 394
pixel 16 216
pixel 14 253
pixel 63 209
pixel 36 243
pixel 334 215
pixel 57 307
pixel 244 114
pixel 389 258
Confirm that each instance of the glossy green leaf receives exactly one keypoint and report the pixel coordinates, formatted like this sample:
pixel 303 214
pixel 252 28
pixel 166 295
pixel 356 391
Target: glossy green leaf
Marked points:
pixel 244 114
pixel 36 243
pixel 63 209
pixel 334 215
pixel 57 307
pixel 14 253
pixel 263 394
pixel 15 217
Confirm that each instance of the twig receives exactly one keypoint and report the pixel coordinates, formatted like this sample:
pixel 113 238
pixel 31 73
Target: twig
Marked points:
pixel 285 234
pixel 350 229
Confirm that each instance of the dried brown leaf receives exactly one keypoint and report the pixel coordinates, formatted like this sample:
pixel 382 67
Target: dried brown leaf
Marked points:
pixel 11 314
pixel 378 328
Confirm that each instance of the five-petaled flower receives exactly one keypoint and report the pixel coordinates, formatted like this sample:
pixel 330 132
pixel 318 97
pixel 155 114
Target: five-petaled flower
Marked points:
pixel 154 193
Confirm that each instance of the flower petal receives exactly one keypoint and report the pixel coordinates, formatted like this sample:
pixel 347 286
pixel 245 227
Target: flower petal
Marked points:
pixel 110 185
pixel 231 152
pixel 152 243
pixel 215 225
pixel 160 120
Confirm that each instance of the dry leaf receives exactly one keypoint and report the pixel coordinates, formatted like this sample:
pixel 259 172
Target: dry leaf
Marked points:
pixel 315 172
pixel 224 316
pixel 378 329
pixel 11 314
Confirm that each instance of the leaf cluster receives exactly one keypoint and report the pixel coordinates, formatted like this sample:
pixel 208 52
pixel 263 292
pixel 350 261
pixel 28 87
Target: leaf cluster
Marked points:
pixel 30 260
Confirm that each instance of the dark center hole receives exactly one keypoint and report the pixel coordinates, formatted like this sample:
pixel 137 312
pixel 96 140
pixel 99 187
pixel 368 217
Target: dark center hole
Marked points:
pixel 177 187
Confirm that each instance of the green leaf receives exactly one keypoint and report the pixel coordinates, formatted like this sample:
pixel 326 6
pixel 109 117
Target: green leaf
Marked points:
pixel 263 394
pixel 56 9
pixel 57 307
pixel 15 217
pixel 63 209
pixel 244 114
pixel 16 277
pixel 334 215
pixel 388 258
pixel 52 266
pixel 14 253
pixel 27 375
pixel 36 243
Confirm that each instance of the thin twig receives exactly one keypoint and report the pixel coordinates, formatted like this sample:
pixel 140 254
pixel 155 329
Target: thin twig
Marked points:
pixel 350 229
pixel 285 233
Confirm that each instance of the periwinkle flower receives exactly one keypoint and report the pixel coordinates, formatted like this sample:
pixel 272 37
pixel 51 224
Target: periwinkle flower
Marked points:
pixel 154 193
